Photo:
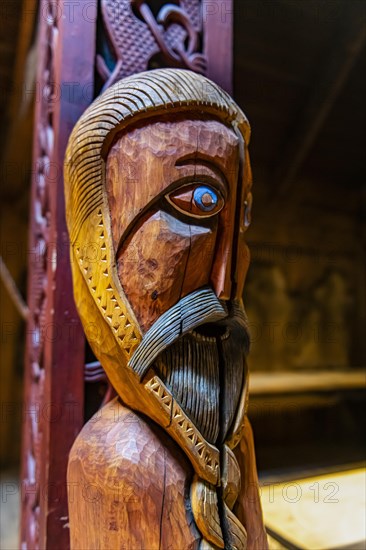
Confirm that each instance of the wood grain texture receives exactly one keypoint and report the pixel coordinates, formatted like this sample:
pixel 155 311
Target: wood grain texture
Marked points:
pixel 183 367
pixel 153 266
pixel 157 178
pixel 132 100
pixel 158 254
pixel 55 343
pixel 128 486
pixel 67 55
pixel 248 507
pixel 124 469
pixel 206 511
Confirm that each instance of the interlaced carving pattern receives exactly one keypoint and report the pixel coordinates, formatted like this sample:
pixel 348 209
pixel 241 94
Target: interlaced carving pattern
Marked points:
pixel 175 34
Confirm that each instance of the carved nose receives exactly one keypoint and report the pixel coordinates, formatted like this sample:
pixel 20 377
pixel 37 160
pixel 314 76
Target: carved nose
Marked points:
pixel 230 266
pixel 221 275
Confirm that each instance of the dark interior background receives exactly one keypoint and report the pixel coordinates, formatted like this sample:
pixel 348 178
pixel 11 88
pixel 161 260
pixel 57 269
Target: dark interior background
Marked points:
pixel 300 79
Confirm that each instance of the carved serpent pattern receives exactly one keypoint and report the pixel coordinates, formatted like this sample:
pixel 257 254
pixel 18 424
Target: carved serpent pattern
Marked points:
pixel 174 35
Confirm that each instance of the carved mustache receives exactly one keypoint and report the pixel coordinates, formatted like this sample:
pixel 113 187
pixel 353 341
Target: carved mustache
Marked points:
pixel 199 308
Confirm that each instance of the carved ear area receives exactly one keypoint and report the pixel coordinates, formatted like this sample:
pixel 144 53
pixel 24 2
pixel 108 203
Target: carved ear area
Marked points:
pixel 247 215
pixel 198 200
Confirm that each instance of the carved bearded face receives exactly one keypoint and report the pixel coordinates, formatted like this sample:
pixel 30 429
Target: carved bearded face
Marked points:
pixel 157 179
pixel 177 214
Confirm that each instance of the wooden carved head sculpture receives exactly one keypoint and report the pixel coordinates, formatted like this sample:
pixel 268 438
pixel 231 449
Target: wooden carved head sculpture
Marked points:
pixel 158 199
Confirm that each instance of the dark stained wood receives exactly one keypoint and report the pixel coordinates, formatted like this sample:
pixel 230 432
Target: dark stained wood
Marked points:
pixel 141 39
pixel 218 20
pixel 54 381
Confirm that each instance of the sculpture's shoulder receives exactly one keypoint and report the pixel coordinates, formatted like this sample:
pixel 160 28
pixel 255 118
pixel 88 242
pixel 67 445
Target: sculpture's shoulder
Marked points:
pixel 124 469
pixel 119 439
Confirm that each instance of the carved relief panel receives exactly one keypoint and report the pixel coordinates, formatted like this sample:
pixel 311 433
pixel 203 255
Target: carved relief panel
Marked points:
pixel 169 35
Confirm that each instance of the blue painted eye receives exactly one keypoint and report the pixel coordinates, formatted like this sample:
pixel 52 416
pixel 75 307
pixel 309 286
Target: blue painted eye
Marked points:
pixel 197 200
pixel 205 198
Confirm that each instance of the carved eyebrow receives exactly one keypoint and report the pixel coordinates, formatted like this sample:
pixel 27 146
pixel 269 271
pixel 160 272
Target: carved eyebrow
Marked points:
pixel 201 160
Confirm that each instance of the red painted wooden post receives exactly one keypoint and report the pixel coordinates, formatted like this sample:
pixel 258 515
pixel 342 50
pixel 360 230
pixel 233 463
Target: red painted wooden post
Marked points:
pixel 54 377
pixel 218 41
pixel 54 362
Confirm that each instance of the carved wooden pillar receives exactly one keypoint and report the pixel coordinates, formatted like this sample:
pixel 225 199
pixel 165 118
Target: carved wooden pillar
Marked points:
pixel 74 44
pixel 218 41
pixel 54 385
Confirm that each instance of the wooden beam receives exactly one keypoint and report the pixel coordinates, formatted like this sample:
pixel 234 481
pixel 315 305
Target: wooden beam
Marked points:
pixel 349 42
pixel 13 291
pixel 291 383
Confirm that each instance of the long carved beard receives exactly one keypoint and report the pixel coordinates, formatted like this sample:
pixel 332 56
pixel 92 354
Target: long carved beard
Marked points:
pixel 204 370
pixel 198 349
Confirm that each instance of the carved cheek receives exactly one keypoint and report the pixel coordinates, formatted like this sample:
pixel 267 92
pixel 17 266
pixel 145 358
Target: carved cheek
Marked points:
pixel 161 262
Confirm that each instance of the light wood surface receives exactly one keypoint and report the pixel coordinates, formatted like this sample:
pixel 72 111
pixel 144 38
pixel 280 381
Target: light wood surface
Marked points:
pixel 123 470
pixel 159 253
pixel 297 382
pixel 320 512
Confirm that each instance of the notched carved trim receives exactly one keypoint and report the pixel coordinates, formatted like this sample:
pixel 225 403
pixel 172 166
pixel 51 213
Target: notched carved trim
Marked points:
pixel 204 457
pixel 96 272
